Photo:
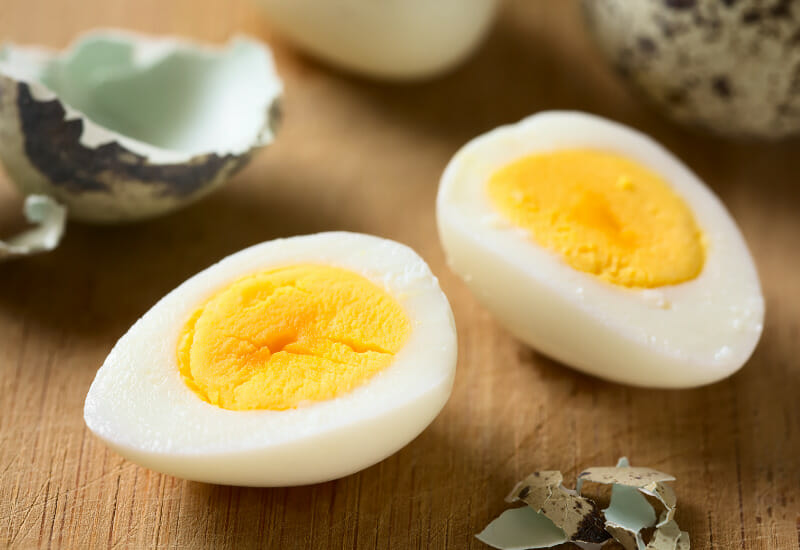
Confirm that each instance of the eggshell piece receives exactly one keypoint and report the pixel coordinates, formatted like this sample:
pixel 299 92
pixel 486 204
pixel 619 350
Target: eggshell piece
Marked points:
pixel 122 127
pixel 48 218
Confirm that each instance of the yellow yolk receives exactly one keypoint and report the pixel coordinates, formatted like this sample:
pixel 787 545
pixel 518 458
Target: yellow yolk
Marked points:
pixel 604 214
pixel 291 335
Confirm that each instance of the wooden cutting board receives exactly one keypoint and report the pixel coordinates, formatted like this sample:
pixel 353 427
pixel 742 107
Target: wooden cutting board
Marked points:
pixel 366 157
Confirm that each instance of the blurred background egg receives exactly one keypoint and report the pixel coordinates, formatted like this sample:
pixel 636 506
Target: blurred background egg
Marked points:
pixel 291 362
pixel 730 67
pixel 596 246
pixel 390 39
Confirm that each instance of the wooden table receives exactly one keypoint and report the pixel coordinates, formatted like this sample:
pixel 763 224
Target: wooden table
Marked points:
pixel 366 157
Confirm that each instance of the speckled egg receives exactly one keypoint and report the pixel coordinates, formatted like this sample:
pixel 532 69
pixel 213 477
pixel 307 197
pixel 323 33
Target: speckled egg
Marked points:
pixel 729 66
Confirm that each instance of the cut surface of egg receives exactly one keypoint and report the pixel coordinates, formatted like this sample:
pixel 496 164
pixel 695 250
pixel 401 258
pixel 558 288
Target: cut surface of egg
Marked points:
pixel 596 246
pixel 291 362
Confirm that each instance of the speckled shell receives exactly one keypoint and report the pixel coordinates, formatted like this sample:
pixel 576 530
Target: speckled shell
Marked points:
pixel 42 151
pixel 730 66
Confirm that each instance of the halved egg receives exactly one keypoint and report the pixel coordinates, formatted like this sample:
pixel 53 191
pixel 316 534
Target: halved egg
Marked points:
pixel 596 246
pixel 294 361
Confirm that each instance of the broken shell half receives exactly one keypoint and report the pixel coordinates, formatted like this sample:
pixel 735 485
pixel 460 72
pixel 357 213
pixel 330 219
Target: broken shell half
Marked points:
pixel 121 127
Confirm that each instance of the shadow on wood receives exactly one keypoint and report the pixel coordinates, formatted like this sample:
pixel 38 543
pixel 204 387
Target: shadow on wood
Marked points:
pixel 102 278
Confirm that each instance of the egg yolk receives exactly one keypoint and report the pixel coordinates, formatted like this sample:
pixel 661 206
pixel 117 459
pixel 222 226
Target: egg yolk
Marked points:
pixel 291 335
pixel 604 214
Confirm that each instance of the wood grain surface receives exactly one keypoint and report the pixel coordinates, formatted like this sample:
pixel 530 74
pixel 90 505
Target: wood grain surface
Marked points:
pixel 366 157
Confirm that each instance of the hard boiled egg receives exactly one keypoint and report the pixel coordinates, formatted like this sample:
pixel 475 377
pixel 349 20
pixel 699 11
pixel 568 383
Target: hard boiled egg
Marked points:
pixel 294 361
pixel 596 246
pixel 390 39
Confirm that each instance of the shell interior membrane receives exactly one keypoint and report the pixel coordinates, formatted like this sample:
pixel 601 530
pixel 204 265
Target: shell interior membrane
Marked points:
pixel 596 246
pixel 313 357
pixel 163 98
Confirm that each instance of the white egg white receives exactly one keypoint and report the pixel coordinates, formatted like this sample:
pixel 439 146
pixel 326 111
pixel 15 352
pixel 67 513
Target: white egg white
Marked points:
pixel 390 39
pixel 139 405
pixel 675 336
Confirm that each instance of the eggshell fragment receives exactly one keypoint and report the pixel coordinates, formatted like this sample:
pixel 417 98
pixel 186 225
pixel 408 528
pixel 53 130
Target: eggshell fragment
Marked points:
pixel 578 517
pixel 521 529
pixel 49 217
pixel 553 511
pixel 121 126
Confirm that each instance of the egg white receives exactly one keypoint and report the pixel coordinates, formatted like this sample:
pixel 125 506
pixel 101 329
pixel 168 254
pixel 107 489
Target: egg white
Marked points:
pixel 682 335
pixel 394 40
pixel 139 405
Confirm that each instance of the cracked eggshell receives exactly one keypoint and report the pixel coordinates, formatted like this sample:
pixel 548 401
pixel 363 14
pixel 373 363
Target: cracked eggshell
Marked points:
pixel 48 218
pixel 391 39
pixel 121 127
pixel 730 67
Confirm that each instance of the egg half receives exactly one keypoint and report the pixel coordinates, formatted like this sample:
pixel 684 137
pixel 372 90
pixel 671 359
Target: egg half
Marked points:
pixel 596 246
pixel 291 362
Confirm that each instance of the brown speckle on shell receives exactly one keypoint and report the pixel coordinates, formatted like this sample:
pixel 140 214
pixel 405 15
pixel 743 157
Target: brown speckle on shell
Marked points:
pixel 721 86
pixel 52 144
pixel 646 44
pixel 781 9
pixel 680 4
pixel 751 16
pixel 591 529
